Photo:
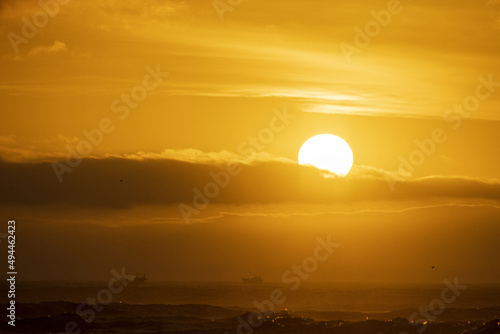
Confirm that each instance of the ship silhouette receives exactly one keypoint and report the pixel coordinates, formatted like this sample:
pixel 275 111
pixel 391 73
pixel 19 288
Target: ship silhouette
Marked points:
pixel 252 279
pixel 138 279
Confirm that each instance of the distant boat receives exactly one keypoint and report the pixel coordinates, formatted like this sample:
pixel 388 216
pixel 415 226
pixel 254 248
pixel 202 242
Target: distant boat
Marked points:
pixel 252 279
pixel 139 279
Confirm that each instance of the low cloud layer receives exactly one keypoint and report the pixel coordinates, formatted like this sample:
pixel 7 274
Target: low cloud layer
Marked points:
pixel 125 182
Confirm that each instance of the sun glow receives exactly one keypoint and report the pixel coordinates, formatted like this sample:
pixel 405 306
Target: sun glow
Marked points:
pixel 328 152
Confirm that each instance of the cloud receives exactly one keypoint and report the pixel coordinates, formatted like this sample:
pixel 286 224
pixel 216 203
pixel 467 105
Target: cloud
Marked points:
pixel 258 59
pixel 18 149
pixel 14 10
pixel 103 27
pixel 56 47
pixel 199 157
pixel 146 181
pixel 151 8
pixel 4 140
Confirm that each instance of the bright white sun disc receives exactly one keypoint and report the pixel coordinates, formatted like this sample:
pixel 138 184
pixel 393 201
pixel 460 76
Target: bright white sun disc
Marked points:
pixel 328 152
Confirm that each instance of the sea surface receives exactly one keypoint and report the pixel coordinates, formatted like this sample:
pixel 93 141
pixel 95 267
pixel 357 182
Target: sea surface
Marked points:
pixel 233 307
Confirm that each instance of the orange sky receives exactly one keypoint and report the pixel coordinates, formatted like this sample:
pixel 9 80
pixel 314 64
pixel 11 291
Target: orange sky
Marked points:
pixel 167 94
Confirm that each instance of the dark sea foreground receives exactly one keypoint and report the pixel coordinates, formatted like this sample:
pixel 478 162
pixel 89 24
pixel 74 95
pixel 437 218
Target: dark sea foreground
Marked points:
pixel 61 317
pixel 222 308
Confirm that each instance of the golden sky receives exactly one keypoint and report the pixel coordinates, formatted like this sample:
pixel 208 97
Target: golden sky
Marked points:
pixel 174 92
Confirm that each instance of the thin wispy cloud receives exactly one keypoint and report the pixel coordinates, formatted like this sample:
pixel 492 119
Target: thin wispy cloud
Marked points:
pixel 56 47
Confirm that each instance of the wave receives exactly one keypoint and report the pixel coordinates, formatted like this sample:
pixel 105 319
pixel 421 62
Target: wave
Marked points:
pixel 55 317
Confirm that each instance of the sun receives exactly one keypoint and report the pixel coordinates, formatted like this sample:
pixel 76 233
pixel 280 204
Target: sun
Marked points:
pixel 328 152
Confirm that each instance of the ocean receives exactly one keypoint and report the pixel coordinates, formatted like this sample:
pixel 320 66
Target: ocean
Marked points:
pixel 233 307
